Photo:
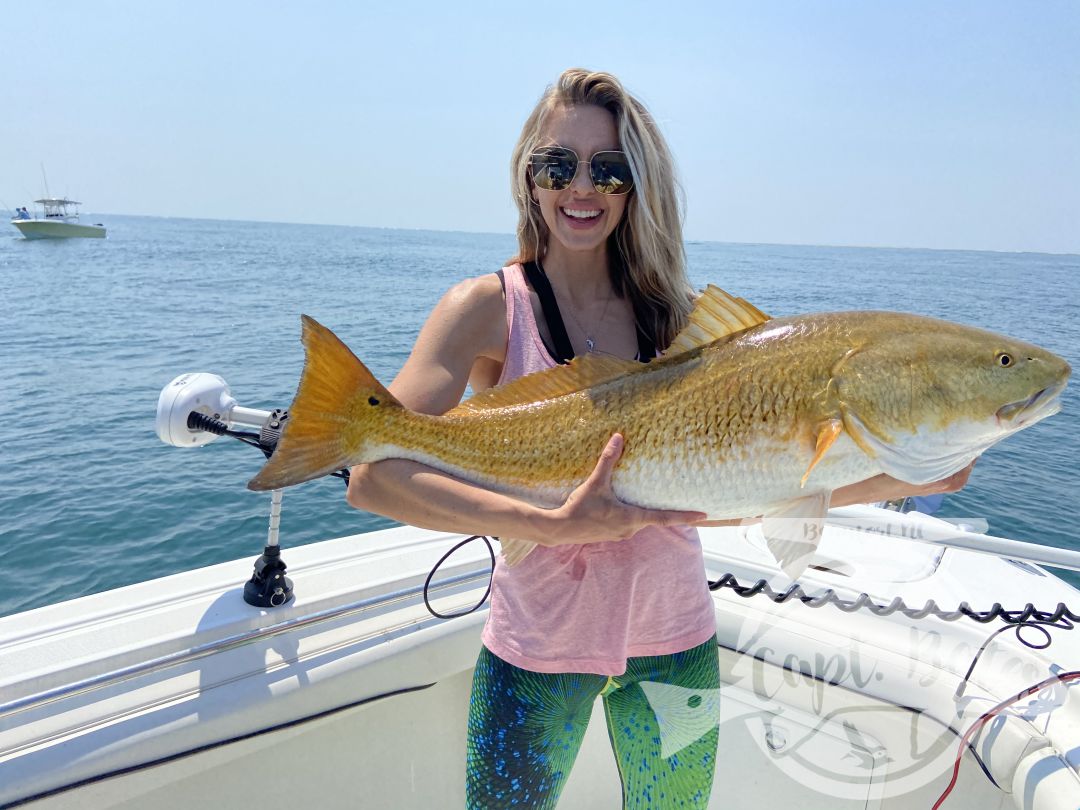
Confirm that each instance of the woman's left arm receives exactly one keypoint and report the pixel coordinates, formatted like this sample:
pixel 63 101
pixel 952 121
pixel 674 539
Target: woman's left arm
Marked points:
pixel 879 488
pixel 887 488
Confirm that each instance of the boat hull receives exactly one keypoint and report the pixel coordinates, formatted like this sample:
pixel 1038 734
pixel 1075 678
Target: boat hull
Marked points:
pixel 44 229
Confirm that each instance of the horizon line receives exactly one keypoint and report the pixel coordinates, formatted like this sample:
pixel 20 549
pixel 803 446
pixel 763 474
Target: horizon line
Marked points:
pixel 686 240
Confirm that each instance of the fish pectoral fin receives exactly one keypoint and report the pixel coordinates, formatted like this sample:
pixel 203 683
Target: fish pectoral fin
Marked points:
pixel 716 314
pixel 514 551
pixel 828 432
pixel 793 531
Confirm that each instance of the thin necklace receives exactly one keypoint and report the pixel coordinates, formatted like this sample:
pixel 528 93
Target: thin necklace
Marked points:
pixel 590 341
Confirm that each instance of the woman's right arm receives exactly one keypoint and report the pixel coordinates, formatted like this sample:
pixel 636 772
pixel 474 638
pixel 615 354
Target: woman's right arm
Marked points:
pixel 467 330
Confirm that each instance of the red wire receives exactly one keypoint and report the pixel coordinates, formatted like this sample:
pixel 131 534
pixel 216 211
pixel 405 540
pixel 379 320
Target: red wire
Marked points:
pixel 978 724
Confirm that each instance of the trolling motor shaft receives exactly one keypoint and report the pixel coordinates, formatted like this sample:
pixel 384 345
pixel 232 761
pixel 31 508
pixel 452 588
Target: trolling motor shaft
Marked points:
pixel 268 586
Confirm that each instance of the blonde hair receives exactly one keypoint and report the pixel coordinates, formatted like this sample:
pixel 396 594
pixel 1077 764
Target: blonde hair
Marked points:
pixel 647 259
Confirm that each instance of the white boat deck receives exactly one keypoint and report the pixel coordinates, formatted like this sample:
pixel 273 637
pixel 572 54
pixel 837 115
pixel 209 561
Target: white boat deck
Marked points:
pixel 176 693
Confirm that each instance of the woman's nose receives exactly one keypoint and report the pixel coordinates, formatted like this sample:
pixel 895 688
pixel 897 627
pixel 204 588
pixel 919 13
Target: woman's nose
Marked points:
pixel 582 181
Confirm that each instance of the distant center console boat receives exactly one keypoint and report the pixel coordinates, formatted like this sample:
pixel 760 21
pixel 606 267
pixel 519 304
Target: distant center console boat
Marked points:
pixel 59 220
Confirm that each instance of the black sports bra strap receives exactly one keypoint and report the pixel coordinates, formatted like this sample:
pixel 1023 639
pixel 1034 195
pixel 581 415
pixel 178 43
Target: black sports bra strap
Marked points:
pixel 564 351
pixel 646 349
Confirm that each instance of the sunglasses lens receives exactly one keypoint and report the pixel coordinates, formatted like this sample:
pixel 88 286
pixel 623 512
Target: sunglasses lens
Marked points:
pixel 610 172
pixel 553 168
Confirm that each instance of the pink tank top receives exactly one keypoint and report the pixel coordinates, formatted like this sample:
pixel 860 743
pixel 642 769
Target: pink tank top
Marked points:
pixel 589 607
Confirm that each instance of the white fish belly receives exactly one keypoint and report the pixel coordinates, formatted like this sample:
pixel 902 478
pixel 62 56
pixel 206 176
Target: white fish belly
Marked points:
pixel 750 482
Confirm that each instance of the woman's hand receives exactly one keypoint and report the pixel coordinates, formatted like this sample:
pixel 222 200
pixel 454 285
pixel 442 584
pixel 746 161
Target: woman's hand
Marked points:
pixel 593 513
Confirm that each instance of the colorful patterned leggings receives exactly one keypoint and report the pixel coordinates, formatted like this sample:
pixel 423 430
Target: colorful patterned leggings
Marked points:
pixel 525 729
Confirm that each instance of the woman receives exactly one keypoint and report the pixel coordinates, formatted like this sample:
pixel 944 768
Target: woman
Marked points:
pixel 600 267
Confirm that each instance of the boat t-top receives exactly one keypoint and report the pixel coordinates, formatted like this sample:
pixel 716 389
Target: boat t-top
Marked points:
pixel 59 220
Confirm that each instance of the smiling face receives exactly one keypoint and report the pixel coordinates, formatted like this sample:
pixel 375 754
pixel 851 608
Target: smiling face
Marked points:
pixel 579 218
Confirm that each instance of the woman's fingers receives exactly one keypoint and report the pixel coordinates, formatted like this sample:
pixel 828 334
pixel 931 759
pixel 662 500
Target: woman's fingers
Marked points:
pixel 600 478
pixel 666 517
pixel 595 513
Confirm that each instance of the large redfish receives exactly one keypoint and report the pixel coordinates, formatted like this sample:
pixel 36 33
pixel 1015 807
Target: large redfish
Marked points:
pixel 744 415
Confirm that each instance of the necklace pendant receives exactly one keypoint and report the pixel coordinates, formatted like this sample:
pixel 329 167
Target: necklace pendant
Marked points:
pixel 590 344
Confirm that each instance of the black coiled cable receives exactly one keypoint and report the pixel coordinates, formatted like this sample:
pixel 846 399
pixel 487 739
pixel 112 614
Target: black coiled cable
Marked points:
pixel 1061 617
pixel 442 559
pixel 1029 613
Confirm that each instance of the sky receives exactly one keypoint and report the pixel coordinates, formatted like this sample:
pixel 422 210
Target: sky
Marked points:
pixel 830 122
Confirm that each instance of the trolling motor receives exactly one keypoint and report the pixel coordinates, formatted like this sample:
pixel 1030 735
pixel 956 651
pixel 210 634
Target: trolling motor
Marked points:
pixel 197 408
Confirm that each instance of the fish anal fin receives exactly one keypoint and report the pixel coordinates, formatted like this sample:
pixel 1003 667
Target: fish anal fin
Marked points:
pixel 793 531
pixel 583 372
pixel 827 433
pixel 514 551
pixel 716 314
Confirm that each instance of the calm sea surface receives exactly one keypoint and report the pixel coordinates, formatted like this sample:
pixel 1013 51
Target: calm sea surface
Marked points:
pixel 91 330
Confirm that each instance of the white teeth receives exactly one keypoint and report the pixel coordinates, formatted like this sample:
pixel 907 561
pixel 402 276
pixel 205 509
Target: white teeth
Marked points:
pixel 577 214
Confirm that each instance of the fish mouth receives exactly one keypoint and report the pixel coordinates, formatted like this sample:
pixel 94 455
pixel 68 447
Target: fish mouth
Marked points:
pixel 1038 406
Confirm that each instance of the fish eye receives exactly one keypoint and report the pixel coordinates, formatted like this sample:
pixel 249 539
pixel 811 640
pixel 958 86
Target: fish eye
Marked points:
pixel 1004 359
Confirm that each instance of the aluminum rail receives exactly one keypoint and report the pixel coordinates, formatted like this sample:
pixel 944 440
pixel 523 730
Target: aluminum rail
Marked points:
pixel 925 529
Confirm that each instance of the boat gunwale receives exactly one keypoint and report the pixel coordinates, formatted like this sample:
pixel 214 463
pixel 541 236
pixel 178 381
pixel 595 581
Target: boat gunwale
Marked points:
pixel 132 671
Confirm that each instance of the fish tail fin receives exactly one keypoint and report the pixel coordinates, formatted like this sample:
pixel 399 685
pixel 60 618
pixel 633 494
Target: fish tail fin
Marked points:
pixel 336 392
pixel 514 551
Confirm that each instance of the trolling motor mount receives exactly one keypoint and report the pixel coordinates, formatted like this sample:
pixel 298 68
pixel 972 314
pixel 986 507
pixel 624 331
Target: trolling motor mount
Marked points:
pixel 270 432
pixel 268 586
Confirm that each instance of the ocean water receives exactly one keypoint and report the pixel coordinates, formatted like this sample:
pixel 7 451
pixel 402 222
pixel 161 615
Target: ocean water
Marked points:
pixel 92 330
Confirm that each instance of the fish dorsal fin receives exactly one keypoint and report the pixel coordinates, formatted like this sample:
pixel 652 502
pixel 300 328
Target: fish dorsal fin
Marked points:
pixel 581 373
pixel 716 314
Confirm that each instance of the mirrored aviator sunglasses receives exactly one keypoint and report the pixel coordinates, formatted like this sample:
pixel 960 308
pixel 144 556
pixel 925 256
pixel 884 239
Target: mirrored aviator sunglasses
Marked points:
pixel 554 168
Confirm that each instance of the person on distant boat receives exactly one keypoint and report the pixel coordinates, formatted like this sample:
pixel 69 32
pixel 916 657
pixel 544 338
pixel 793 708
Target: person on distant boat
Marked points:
pixel 615 595
pixel 22 213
